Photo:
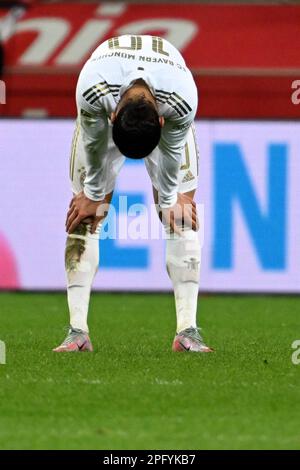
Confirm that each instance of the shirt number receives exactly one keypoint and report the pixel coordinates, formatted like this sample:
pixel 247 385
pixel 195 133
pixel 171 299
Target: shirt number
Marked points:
pixel 136 43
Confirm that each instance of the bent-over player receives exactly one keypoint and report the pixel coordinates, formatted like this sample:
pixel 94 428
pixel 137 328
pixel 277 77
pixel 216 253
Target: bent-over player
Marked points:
pixel 135 98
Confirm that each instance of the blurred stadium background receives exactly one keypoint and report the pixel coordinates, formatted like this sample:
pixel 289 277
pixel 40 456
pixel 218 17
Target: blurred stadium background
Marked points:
pixel 246 63
pixel 244 58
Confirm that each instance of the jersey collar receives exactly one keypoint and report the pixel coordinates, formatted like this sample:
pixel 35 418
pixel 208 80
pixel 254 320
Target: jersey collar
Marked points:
pixel 132 77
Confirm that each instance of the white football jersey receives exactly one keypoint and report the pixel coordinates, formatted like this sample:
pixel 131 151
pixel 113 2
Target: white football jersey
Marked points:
pixel 110 71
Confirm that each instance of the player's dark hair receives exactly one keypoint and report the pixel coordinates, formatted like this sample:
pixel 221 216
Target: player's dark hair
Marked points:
pixel 136 129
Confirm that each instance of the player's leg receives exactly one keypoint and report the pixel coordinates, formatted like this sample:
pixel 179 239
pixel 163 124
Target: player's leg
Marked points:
pixel 183 260
pixel 82 250
pixel 81 265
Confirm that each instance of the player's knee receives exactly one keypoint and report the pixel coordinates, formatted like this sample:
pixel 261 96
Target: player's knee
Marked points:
pixel 76 246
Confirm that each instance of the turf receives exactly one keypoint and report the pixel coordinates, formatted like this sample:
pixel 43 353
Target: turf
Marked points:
pixel 133 392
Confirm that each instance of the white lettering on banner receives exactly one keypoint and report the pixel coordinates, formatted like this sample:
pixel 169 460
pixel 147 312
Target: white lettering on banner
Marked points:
pixel 52 33
pixel 178 32
pixel 111 9
pixel 88 37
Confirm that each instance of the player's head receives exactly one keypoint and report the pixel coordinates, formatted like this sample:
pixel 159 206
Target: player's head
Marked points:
pixel 136 128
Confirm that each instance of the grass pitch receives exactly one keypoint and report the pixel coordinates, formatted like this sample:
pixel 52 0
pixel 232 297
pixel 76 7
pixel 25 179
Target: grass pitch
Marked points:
pixel 133 392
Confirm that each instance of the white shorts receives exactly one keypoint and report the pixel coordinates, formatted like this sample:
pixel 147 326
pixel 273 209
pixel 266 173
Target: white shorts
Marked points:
pixel 188 175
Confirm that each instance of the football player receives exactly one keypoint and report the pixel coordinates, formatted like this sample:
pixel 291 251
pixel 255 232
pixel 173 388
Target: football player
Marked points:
pixel 136 98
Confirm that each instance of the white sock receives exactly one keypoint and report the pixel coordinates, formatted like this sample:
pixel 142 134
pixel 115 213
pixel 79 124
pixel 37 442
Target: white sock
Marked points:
pixel 81 263
pixel 183 257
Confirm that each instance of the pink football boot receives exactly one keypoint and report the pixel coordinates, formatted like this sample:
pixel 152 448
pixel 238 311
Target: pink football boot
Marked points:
pixel 190 340
pixel 76 341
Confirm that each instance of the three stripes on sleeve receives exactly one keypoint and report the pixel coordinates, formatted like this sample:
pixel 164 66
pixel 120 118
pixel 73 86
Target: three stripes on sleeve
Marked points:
pixel 101 89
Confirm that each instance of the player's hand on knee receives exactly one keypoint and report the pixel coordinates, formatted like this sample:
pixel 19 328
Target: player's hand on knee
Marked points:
pixel 81 209
pixel 182 214
pixel 188 212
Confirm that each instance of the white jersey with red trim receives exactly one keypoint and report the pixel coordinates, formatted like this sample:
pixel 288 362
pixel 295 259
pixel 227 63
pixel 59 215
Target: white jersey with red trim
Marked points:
pixel 111 70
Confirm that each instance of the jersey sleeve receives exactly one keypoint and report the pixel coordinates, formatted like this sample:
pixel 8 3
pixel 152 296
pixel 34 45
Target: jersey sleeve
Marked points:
pixel 172 142
pixel 93 124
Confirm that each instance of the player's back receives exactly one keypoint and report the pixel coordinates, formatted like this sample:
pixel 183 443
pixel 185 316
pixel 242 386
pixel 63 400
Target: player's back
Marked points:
pixel 143 48
pixel 120 60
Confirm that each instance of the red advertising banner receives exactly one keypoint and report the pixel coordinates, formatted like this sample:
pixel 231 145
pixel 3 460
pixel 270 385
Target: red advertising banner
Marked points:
pixel 244 58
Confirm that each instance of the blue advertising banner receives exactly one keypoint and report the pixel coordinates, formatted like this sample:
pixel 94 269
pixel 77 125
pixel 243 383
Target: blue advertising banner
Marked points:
pixel 248 200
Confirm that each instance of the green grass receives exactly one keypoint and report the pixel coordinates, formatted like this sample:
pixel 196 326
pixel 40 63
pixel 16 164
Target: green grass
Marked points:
pixel 133 392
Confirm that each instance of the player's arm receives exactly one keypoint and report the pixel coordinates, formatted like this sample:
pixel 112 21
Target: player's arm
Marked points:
pixel 94 131
pixel 173 205
pixel 172 142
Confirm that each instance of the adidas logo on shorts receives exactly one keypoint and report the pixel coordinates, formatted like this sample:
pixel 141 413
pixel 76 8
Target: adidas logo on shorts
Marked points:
pixel 188 177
